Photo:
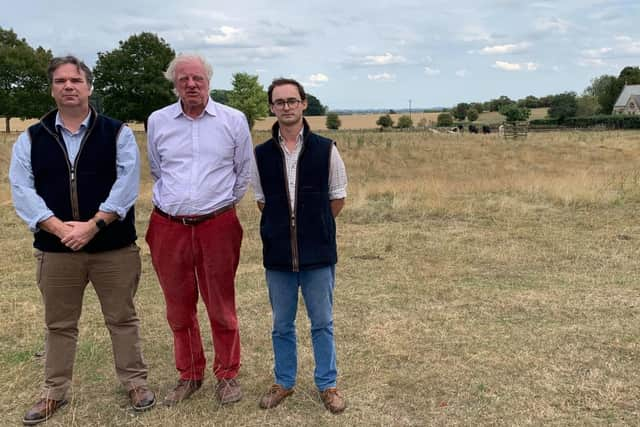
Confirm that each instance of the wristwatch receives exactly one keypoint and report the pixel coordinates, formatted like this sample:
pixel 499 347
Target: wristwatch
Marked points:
pixel 100 223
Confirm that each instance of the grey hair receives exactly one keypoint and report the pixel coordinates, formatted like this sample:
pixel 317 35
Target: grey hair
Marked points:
pixel 170 74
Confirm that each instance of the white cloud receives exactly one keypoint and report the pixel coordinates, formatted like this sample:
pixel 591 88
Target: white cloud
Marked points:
pixel 229 35
pixel 514 66
pixel 596 53
pixel 461 73
pixel 592 62
pixel 507 66
pixel 431 71
pixel 504 49
pixel 318 78
pixel 553 25
pixel 385 77
pixel 384 59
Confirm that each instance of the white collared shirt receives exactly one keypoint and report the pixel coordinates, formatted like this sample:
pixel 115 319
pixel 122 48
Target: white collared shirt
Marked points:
pixel 198 165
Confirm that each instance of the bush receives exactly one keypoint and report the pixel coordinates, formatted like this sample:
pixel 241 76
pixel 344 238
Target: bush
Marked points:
pixel 385 121
pixel 472 114
pixel 513 113
pixel 606 121
pixel 333 121
pixel 405 122
pixel 445 120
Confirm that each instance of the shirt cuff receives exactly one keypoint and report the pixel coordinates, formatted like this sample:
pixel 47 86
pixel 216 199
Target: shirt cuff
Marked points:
pixel 121 212
pixel 34 225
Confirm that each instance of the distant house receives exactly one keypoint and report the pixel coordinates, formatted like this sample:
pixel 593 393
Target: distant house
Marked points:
pixel 629 100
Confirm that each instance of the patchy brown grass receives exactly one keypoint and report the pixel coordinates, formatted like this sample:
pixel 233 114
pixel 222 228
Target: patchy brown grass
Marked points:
pixel 480 282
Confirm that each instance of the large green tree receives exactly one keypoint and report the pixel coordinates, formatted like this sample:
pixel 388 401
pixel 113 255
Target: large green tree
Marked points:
pixel 460 111
pixel 220 95
pixel 586 105
pixel 24 89
pixel 513 113
pixel 605 89
pixel 248 96
pixel 314 106
pixel 129 80
pixel 563 106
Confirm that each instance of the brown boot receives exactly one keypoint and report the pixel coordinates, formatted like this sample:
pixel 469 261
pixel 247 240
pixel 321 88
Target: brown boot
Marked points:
pixel 228 390
pixel 333 400
pixel 274 396
pixel 183 390
pixel 42 411
pixel 142 398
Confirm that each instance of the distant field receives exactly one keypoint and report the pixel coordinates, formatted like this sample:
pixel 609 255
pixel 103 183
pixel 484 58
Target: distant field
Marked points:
pixel 354 121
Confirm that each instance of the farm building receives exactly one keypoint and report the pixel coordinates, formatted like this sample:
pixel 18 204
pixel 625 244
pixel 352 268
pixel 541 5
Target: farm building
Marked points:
pixel 629 100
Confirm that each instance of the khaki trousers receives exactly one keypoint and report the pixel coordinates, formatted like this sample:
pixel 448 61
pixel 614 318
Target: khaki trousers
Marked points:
pixel 62 279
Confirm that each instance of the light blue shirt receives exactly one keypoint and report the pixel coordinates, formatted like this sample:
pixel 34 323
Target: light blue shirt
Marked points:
pixel 198 165
pixel 33 209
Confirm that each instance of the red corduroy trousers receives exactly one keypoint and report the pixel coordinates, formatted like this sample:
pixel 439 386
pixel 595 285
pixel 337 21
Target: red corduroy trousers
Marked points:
pixel 192 260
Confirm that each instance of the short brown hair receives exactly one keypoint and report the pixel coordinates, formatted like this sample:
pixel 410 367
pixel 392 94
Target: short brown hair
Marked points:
pixel 282 81
pixel 69 59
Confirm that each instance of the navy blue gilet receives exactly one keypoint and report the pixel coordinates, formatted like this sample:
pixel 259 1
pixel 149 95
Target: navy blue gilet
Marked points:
pixel 76 196
pixel 305 238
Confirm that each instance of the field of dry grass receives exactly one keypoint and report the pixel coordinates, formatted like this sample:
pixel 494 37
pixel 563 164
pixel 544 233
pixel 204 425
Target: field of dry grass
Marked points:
pixel 480 282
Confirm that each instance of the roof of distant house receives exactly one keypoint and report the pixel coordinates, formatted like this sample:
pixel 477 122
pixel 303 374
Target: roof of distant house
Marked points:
pixel 626 93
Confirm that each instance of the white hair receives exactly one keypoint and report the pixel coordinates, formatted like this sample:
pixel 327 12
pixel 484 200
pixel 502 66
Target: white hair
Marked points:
pixel 170 74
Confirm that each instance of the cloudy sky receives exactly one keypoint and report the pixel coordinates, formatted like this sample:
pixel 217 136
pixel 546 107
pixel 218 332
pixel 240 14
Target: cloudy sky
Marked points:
pixel 355 54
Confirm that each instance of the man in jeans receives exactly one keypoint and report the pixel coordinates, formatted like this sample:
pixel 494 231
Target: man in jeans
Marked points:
pixel 300 187
pixel 74 179
pixel 200 160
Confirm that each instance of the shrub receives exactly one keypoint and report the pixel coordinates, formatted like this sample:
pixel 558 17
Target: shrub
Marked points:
pixel 445 120
pixel 333 121
pixel 405 122
pixel 385 121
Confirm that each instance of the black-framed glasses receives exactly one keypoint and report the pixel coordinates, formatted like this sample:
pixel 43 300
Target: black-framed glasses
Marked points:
pixel 291 103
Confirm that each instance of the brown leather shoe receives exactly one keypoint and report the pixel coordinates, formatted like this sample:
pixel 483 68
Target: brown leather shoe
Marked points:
pixel 228 390
pixel 42 411
pixel 333 400
pixel 183 390
pixel 142 398
pixel 274 396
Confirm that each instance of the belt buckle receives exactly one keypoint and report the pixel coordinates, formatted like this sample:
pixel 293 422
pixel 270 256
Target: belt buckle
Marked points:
pixel 186 221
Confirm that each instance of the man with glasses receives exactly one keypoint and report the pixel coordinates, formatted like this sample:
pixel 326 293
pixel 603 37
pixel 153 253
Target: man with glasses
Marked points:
pixel 200 160
pixel 300 186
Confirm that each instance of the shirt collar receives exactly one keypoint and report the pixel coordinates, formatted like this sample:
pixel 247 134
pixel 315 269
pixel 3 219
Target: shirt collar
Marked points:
pixel 299 138
pixel 60 124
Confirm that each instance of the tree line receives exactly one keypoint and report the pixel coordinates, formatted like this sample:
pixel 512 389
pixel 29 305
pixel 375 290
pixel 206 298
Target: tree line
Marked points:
pixel 128 84
pixel 597 99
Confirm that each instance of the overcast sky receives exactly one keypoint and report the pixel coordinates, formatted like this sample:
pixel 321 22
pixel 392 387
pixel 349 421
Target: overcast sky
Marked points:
pixel 358 54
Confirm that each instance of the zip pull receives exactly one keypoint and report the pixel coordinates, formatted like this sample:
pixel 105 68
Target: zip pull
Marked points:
pixel 293 221
pixel 73 174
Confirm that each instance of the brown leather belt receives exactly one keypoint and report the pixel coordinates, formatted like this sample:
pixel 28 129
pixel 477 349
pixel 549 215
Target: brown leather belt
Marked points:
pixel 193 219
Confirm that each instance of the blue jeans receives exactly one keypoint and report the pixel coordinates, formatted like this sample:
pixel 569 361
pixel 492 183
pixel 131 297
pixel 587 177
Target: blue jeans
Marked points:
pixel 317 290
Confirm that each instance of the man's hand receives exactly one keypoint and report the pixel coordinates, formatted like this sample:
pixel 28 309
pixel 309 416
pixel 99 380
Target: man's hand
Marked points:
pixel 81 233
